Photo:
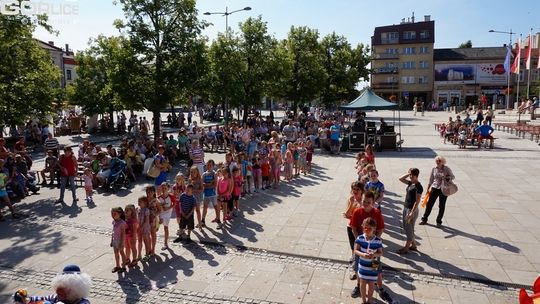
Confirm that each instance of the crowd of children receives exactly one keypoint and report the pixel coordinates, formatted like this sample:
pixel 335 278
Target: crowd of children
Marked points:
pixel 252 163
pixel 365 226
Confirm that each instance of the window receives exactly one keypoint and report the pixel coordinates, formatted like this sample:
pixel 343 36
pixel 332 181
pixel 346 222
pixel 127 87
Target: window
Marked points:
pixel 391 51
pixel 408 65
pixel 389 37
pixel 407 79
pixel 423 79
pixel 409 50
pixel 68 74
pixel 424 34
pixel 424 64
pixel 390 65
pixel 391 79
pixel 409 35
pixel 424 50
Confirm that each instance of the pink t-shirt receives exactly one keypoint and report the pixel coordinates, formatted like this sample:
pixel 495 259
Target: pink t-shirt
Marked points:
pixel 237 189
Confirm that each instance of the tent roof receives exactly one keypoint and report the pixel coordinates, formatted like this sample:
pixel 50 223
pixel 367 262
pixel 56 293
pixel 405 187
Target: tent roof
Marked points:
pixel 368 100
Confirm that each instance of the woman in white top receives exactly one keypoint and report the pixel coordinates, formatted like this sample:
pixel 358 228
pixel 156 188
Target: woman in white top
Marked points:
pixel 439 173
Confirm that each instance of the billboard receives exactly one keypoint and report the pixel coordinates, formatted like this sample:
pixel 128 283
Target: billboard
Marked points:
pixel 473 73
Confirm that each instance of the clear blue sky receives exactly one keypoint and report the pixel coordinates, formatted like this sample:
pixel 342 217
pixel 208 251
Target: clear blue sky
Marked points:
pixel 456 21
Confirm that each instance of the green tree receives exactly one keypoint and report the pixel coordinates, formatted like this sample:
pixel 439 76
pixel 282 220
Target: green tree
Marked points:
pixel 466 45
pixel 256 52
pixel 163 34
pixel 308 72
pixel 224 57
pixel 29 81
pixel 344 67
pixel 110 78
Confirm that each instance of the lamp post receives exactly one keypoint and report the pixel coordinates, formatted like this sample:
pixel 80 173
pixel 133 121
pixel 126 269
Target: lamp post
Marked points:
pixel 508 72
pixel 226 14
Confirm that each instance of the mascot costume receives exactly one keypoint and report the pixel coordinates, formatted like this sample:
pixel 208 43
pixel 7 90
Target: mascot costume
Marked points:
pixel 525 298
pixel 71 287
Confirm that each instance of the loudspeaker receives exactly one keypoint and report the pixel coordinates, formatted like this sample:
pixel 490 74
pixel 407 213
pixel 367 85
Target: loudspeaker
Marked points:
pixel 357 141
pixel 371 130
pixel 387 142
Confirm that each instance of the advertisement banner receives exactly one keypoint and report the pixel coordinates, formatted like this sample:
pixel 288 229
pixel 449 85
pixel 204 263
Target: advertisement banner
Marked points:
pixel 490 73
pixel 474 73
pixel 454 73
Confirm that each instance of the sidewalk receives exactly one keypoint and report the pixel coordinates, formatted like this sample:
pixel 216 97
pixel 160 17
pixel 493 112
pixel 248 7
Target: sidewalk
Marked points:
pixel 290 244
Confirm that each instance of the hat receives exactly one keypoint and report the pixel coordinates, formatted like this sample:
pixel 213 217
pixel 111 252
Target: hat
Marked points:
pixel 72 268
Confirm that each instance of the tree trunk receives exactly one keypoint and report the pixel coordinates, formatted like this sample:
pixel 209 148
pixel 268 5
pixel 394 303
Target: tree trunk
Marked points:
pixel 157 124
pixel 246 111
pixel 111 120
pixel 173 121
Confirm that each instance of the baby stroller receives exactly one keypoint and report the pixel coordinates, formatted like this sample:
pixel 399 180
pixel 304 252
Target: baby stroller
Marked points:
pixel 119 175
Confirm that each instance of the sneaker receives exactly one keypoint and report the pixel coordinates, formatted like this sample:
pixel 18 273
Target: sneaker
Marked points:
pixel 384 295
pixel 165 248
pixel 353 276
pixel 59 201
pixel 439 225
pixel 355 293
pixel 188 240
pixel 215 220
pixel 219 226
pixel 422 223
pixel 177 240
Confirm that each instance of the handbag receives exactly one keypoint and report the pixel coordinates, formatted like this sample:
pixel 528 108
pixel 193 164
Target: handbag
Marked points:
pixel 448 187
pixel 153 171
pixel 426 198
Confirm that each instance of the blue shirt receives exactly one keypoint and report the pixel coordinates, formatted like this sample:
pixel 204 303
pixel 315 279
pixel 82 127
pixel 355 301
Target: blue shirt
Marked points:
pixel 365 269
pixel 485 130
pixel 187 203
pixel 377 188
pixel 334 132
pixel 208 177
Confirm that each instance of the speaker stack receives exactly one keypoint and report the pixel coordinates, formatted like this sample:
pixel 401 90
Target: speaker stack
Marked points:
pixel 357 141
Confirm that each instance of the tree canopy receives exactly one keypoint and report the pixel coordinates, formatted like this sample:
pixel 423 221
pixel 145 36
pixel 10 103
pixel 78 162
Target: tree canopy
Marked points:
pixel 29 81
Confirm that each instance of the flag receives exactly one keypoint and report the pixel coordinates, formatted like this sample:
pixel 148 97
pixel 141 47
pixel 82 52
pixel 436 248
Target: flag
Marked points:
pixel 507 60
pixel 515 65
pixel 528 54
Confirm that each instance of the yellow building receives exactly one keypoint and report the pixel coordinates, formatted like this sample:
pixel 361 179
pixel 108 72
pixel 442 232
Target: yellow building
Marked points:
pixel 402 60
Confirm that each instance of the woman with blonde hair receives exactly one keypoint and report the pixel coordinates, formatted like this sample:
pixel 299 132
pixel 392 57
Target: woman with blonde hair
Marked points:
pixel 439 173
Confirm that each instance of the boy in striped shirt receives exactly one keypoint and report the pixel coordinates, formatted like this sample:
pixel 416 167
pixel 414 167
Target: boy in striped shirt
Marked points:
pixel 368 248
pixel 187 205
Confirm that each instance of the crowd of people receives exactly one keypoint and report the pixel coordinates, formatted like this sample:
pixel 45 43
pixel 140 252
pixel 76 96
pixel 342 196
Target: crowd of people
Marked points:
pixel 258 155
pixel 468 131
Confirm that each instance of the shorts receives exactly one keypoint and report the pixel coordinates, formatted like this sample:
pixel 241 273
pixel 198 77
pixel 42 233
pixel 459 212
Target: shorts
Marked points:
pixel 165 217
pixel 480 137
pixel 223 198
pixel 335 142
pixel 187 223
pixel 210 200
pixel 199 197
pixel 265 178
pixel 3 193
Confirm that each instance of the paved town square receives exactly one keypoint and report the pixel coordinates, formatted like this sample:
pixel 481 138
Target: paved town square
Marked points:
pixel 289 245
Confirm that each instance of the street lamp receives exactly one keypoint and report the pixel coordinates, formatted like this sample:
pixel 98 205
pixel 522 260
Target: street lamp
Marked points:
pixel 507 72
pixel 226 14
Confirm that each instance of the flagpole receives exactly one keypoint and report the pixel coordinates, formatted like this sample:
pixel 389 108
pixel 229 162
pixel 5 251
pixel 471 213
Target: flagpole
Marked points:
pixel 519 71
pixel 529 54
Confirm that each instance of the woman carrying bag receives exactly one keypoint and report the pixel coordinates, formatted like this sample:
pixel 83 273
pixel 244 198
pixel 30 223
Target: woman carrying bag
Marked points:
pixel 440 175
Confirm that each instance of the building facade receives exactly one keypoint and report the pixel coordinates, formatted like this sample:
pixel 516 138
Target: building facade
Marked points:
pixel 64 59
pixel 402 60
pixel 468 76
